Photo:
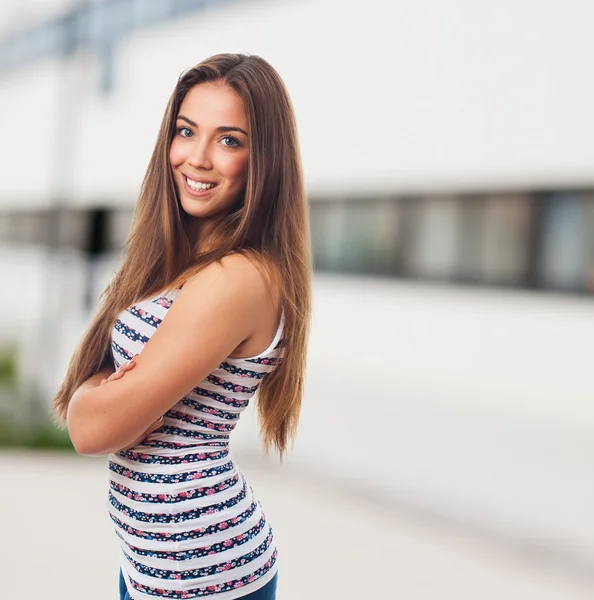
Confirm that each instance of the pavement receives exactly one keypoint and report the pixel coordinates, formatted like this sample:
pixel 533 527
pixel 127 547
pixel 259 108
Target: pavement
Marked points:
pixel 58 541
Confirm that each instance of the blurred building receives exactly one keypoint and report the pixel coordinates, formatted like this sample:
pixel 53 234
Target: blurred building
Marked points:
pixel 435 148
pixel 444 142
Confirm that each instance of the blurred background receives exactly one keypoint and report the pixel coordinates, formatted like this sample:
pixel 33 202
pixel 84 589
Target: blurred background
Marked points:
pixel 446 448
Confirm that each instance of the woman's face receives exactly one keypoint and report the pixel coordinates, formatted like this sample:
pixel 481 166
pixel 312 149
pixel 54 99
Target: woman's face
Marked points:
pixel 209 152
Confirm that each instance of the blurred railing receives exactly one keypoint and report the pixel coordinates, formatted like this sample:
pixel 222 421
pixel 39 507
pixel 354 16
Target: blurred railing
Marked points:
pixel 97 26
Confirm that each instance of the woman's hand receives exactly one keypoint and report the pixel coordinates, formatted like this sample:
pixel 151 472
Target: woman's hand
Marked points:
pixel 121 371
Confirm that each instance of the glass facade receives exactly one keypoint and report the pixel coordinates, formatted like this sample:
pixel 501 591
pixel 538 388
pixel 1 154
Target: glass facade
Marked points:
pixel 504 240
pixel 541 240
pixel 568 241
pixel 432 250
pixel 355 235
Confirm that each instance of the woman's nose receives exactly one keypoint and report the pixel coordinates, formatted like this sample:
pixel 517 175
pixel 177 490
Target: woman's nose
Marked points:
pixel 199 156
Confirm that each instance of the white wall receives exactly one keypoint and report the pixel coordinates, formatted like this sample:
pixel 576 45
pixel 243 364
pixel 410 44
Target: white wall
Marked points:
pixel 23 14
pixel 414 94
pixel 473 405
pixel 29 142
pixel 398 95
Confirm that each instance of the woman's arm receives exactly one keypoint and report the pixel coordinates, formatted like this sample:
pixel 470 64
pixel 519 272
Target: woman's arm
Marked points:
pixel 103 376
pixel 92 382
pixel 215 312
pixel 107 375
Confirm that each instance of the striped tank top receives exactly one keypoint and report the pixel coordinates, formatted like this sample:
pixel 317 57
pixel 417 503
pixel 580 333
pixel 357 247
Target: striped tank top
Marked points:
pixel 188 523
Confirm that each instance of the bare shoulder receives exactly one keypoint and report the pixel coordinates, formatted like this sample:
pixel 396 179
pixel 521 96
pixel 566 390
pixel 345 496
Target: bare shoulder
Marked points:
pixel 242 277
pixel 238 262
pixel 252 273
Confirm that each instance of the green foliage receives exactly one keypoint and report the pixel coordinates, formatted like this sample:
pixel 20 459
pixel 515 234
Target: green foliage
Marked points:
pixel 8 361
pixel 39 436
pixel 24 423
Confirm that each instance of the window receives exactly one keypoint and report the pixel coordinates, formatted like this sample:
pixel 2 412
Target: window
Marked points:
pixel 567 259
pixel 470 243
pixel 355 235
pixel 504 248
pixel 435 231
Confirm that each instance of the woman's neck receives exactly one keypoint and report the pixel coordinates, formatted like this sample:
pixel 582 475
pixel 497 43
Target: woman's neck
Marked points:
pixel 207 238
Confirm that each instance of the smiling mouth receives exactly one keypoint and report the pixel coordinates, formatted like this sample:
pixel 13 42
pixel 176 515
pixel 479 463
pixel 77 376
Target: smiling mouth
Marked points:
pixel 198 186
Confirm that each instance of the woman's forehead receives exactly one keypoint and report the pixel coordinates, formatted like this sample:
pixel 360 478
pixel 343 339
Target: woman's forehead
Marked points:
pixel 214 104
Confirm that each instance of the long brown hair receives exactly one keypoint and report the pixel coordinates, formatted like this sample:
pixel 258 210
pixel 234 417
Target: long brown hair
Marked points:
pixel 270 224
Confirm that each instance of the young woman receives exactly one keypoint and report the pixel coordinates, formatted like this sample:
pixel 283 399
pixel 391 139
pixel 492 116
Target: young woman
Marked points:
pixel 210 305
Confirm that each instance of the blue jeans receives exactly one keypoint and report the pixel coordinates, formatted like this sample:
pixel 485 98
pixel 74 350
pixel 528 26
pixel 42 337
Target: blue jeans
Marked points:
pixel 268 592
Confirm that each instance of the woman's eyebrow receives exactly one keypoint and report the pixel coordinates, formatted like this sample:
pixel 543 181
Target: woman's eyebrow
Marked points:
pixel 222 128
pixel 226 128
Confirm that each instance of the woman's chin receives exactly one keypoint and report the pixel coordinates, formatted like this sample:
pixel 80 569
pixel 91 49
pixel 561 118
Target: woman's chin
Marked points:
pixel 192 212
pixel 194 209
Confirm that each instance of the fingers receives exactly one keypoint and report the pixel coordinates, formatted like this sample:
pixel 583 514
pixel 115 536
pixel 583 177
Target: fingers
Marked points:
pixel 127 366
pixel 124 368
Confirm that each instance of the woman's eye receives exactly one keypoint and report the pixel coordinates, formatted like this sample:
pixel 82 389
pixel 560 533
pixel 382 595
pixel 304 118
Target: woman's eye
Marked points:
pixel 184 131
pixel 234 141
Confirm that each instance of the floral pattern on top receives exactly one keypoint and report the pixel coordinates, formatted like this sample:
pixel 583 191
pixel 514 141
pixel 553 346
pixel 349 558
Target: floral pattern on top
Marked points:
pixel 220 398
pixel 178 495
pixel 204 571
pixel 240 372
pixel 211 589
pixel 175 478
pixel 141 457
pixel 235 541
pixel 196 533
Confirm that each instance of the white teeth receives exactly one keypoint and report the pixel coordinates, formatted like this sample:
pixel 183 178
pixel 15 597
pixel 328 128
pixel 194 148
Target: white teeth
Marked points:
pixel 199 186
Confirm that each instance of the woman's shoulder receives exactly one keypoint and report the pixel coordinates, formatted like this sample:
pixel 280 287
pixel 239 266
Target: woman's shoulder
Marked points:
pixel 246 273
pixel 243 259
pixel 239 260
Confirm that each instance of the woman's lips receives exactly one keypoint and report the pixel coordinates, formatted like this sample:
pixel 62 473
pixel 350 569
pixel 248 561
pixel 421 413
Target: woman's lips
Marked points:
pixel 197 193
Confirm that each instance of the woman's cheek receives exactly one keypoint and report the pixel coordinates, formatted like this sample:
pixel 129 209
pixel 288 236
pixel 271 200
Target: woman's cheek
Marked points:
pixel 239 167
pixel 175 157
